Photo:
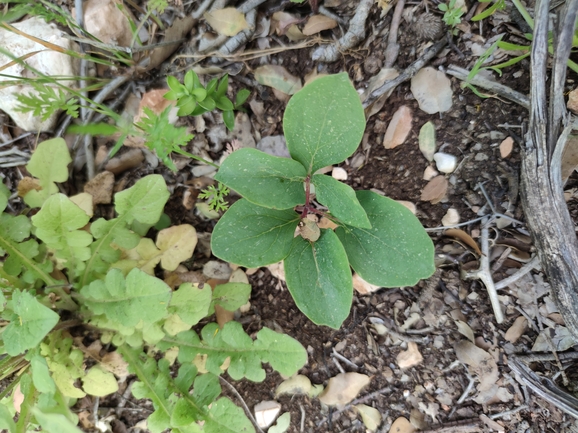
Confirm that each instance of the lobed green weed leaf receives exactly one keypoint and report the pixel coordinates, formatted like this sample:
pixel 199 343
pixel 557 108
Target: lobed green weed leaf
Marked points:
pixel 99 382
pixel 231 296
pixel 24 258
pixel 319 279
pixel 282 352
pixel 57 225
pixel 143 202
pixel 177 409
pixel 190 303
pixel 30 323
pixel 139 297
pixel 263 179
pixel 324 122
pixel 49 163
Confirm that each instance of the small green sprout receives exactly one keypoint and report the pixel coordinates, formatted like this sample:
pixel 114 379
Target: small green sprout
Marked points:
pixel 452 14
pixel 195 99
pixel 216 197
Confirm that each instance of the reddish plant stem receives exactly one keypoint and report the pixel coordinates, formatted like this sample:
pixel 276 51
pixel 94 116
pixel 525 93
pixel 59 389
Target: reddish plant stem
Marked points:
pixel 307 206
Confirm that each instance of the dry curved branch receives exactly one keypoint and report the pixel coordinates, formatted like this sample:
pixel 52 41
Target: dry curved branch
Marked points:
pixel 546 212
pixel 354 35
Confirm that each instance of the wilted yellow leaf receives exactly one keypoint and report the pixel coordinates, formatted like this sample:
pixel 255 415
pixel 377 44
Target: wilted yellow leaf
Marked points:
pixel 177 244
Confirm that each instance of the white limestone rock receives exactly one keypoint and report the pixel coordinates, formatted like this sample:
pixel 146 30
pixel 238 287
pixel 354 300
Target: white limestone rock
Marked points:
pixel 47 62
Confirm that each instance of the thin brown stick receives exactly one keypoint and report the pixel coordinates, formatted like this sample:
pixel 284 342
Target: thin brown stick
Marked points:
pixel 392 49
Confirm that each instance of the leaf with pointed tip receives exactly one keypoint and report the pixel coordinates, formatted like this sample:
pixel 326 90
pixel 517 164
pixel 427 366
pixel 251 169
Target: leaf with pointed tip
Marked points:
pixel 319 279
pixel 263 179
pixel 396 251
pixel 341 201
pixel 254 236
pixel 324 122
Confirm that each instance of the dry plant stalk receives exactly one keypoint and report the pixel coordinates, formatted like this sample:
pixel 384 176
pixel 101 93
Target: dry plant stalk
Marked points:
pixel 541 188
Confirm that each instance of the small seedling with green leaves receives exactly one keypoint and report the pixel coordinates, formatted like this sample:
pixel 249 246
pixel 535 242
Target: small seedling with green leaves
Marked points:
pixel 195 99
pixel 59 269
pixel 452 14
pixel 378 237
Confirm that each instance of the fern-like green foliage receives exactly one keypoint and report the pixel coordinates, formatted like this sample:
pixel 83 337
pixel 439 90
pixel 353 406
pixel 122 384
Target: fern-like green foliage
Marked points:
pixel 47 100
pixel 106 279
pixel 162 137
pixel 215 196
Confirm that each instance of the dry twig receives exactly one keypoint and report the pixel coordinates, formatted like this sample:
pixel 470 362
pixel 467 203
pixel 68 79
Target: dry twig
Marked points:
pixel 354 35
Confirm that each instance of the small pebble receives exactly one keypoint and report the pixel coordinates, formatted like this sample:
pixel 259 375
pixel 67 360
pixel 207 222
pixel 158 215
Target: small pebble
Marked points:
pixel 445 162
pixel 339 173
pixel 452 217
pixel 429 173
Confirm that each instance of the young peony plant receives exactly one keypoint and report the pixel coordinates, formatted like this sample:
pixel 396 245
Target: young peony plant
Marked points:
pixel 378 237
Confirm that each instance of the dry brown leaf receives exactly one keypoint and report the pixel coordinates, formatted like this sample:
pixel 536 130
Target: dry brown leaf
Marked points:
pixel 465 330
pixel 432 90
pixel 282 21
pixel 370 416
pixel 227 21
pixel 517 329
pixel 573 101
pixel 408 204
pixel 84 201
pixel 481 362
pixel 28 184
pixel 343 388
pixel 17 398
pixel 465 238
pixel 326 223
pixel 278 77
pixel 569 157
pixel 318 23
pixel 398 128
pixel 298 384
pixel 114 362
pixel 85 418
pixel 409 357
pixel 435 190
pixel 362 286
pixel 266 412
pixel 176 32
pixel 124 162
pixel 506 147
pixel 401 425
pixel 155 101
pixel 100 188
pixel 177 244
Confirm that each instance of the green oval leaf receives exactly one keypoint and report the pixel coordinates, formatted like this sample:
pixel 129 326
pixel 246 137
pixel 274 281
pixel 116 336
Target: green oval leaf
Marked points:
pixel 319 279
pixel 224 104
pixel 324 122
pixel 396 251
pixel 254 236
pixel 208 104
pixel 263 179
pixel 341 201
